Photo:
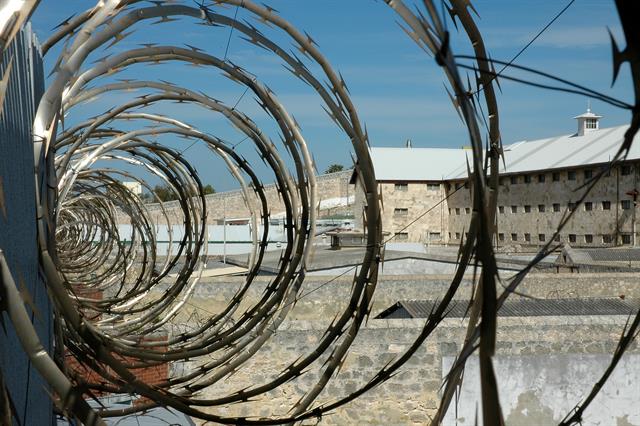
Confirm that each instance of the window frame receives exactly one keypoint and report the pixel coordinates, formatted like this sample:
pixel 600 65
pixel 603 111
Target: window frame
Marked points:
pixel 399 186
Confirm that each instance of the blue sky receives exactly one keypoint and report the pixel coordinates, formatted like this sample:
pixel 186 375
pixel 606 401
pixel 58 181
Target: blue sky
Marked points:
pixel 396 87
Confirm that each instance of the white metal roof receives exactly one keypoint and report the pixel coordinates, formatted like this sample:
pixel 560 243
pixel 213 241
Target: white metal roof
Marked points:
pixel 416 164
pixel 424 164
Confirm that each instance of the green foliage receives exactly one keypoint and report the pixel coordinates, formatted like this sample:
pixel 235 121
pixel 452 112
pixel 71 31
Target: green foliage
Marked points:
pixel 165 193
pixel 334 168
pixel 209 189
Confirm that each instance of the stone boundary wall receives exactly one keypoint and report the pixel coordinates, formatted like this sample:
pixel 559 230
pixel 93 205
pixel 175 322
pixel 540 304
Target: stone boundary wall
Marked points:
pixel 231 204
pixel 328 299
pixel 412 396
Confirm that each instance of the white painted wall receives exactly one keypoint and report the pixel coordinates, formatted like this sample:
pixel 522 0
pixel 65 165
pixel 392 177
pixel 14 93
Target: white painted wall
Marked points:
pixel 538 390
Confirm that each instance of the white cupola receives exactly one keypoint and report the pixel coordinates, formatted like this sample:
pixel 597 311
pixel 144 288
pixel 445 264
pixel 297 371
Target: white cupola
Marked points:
pixel 588 122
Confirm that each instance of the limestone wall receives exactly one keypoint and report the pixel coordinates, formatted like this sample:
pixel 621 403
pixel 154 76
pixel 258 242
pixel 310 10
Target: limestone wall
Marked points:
pixel 327 299
pixel 536 391
pixel 527 208
pixel 591 218
pixel 411 397
pixel 231 204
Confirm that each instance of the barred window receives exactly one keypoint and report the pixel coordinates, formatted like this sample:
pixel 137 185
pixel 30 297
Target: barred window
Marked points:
pixel 401 186
pixel 402 236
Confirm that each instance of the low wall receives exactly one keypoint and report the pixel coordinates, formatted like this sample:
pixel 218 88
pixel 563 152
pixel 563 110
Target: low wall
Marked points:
pixel 329 298
pixel 544 365
pixel 412 396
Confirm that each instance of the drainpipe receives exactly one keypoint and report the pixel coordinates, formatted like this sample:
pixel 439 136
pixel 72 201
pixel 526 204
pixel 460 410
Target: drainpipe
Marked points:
pixel 633 193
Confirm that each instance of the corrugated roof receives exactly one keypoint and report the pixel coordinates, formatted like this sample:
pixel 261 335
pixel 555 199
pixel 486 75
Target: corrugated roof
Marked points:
pixel 411 164
pixel 424 164
pixel 518 308
pixel 614 255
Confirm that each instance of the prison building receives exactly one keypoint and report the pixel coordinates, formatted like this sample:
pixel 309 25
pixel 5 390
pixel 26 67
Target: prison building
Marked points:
pixel 427 196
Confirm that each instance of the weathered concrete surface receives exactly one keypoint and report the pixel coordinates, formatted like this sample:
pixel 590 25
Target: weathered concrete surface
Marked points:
pixel 538 389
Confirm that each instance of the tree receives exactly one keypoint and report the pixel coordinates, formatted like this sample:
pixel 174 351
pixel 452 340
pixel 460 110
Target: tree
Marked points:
pixel 165 193
pixel 334 168
pixel 209 189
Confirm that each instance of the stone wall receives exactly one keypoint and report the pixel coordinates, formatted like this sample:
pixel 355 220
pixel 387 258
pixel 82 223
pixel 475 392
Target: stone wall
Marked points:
pixel 412 396
pixel 231 204
pixel 527 208
pixel 329 298
pixel 402 204
pixel 519 214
